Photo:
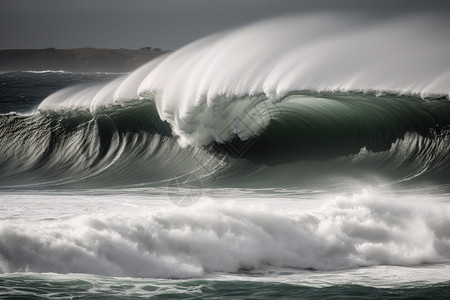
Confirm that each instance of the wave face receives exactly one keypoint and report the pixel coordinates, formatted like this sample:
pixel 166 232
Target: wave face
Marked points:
pixel 288 102
pixel 124 147
pixel 309 139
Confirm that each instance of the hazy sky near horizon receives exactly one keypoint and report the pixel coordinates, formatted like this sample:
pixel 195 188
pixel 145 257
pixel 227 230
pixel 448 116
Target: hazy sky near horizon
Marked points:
pixel 167 24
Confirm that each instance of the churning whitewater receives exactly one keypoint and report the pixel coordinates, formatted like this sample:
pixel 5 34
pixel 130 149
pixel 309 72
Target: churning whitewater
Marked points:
pixel 357 231
pixel 314 142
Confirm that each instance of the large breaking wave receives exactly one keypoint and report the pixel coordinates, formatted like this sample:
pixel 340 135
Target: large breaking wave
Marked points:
pixel 296 100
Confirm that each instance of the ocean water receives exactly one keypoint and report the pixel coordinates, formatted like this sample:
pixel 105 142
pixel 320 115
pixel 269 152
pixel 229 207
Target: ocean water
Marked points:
pixel 314 164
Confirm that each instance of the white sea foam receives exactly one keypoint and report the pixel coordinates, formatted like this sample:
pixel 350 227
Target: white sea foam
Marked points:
pixel 46 71
pixel 347 232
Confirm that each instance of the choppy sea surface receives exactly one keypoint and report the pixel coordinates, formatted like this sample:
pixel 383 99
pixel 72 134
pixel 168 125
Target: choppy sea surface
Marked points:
pixel 207 175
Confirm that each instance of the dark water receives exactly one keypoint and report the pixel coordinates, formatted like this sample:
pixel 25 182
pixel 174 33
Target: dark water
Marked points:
pixel 49 286
pixel 22 92
pixel 36 287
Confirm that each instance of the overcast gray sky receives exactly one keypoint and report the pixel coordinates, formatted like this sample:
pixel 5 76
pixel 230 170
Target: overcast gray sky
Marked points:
pixel 168 24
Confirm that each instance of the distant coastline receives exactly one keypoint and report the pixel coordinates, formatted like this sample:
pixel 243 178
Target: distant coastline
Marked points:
pixel 77 59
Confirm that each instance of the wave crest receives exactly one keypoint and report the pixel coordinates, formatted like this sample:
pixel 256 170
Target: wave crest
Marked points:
pixel 274 58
